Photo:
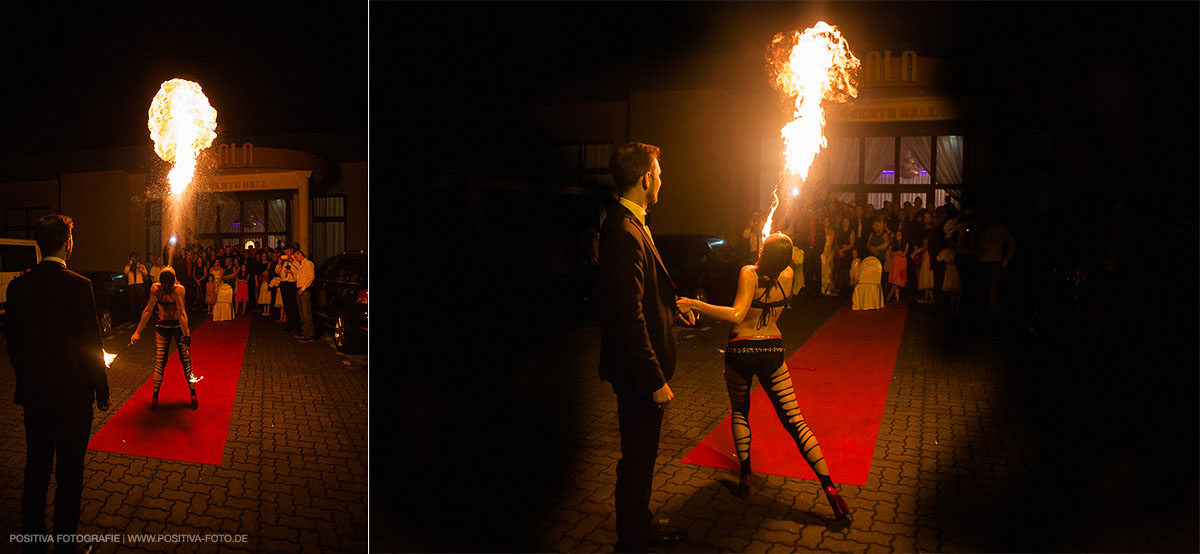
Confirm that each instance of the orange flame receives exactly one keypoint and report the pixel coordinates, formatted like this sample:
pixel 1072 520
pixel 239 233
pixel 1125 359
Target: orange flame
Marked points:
pixel 808 68
pixel 182 124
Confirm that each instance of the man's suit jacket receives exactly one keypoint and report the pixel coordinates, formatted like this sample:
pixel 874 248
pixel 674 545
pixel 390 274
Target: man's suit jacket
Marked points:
pixel 54 340
pixel 637 299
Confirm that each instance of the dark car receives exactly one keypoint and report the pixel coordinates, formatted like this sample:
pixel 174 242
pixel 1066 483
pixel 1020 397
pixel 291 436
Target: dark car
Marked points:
pixel 112 293
pixel 339 300
pixel 704 267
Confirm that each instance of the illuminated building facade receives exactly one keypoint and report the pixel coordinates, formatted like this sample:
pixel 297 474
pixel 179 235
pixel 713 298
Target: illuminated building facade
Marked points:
pixel 268 191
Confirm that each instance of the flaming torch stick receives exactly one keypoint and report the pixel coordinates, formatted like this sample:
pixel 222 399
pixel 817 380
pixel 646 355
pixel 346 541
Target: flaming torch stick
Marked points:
pixel 808 68
pixel 182 124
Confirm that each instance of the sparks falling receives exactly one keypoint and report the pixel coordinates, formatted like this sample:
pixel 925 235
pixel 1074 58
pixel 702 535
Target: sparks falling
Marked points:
pixel 808 68
pixel 182 124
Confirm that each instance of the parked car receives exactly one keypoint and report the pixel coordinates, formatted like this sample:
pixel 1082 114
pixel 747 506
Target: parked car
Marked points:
pixel 704 267
pixel 16 257
pixel 111 289
pixel 339 300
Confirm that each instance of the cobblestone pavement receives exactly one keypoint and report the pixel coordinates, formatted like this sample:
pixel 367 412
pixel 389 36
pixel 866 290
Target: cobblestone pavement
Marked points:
pixel 293 477
pixel 956 466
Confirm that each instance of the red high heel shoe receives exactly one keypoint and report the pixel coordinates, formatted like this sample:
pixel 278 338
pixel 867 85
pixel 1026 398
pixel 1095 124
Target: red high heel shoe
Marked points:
pixel 840 511
pixel 743 486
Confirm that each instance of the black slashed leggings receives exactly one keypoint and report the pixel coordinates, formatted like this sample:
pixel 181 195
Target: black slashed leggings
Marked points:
pixel 764 358
pixel 164 331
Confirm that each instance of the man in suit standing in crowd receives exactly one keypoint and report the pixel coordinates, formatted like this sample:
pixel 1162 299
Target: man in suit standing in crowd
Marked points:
pixel 637 345
pixel 55 349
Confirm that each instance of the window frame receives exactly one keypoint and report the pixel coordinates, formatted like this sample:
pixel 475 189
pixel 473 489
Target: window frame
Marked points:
pixel 898 131
pixel 27 229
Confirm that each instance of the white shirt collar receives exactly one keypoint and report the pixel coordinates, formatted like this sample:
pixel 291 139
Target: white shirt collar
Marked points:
pixel 638 211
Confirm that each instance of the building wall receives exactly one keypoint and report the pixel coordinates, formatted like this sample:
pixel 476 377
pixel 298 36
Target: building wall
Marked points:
pixel 104 190
pixel 29 194
pixel 108 223
pixel 353 183
pixel 703 189
pixel 579 122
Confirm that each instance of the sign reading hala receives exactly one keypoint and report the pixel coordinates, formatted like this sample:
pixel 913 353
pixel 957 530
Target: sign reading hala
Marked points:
pixel 232 154
pixel 884 69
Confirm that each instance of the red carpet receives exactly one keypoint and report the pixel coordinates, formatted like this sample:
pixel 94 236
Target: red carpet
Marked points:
pixel 842 401
pixel 175 431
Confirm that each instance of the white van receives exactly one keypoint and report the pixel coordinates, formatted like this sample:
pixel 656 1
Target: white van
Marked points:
pixel 16 256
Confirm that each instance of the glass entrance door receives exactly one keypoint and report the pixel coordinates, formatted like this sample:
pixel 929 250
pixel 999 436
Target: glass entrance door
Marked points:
pixel 233 219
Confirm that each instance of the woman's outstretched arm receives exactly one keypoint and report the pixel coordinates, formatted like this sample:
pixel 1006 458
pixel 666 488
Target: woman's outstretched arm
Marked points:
pixel 747 280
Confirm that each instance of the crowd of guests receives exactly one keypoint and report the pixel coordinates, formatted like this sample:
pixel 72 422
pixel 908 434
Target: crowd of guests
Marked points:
pixel 927 254
pixel 231 282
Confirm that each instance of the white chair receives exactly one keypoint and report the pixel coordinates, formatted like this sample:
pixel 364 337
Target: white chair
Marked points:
pixel 223 309
pixel 868 294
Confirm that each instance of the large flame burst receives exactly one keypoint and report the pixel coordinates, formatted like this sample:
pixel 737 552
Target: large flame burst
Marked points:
pixel 182 124
pixel 808 68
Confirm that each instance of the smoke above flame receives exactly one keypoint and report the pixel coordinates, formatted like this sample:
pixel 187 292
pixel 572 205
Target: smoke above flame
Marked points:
pixel 808 69
pixel 182 124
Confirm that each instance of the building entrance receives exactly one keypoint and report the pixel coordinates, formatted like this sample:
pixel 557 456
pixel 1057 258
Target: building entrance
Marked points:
pixel 233 219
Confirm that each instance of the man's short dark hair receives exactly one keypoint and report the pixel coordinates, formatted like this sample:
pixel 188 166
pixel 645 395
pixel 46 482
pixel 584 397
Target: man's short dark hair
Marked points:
pixel 630 162
pixel 52 231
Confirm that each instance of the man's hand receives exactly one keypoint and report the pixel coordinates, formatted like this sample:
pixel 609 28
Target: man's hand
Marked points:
pixel 663 396
pixel 684 311
pixel 134 338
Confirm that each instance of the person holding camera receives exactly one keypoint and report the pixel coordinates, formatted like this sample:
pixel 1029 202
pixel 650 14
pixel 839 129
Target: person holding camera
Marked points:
pixel 287 287
pixel 139 281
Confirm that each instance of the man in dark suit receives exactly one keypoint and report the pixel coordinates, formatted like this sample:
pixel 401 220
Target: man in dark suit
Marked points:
pixel 637 348
pixel 54 345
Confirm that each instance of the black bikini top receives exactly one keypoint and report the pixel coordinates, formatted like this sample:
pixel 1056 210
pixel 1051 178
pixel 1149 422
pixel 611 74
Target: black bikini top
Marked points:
pixel 768 308
pixel 164 302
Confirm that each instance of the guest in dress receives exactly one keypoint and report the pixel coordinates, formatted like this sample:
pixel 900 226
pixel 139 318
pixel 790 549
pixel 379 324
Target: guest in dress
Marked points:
pixel 828 257
pixel 950 280
pixel 925 273
pixel 241 291
pixel 847 239
pixel 898 276
pixel 264 288
pixel 213 273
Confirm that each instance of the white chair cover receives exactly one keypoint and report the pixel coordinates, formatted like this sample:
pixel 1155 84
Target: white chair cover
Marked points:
pixel 868 294
pixel 223 309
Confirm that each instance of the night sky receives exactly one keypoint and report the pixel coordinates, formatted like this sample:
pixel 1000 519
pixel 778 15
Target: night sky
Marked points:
pixel 83 77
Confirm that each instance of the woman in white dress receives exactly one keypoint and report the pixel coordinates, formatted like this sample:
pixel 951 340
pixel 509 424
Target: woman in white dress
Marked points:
pixel 950 279
pixel 827 259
